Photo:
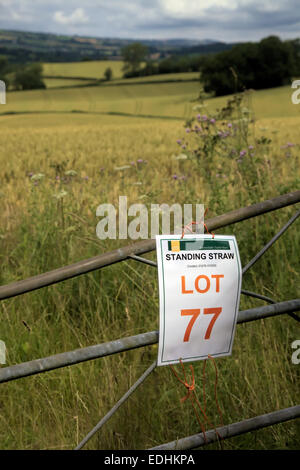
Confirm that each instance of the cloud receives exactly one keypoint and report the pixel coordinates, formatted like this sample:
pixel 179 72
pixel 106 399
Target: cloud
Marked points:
pixel 192 8
pixel 225 20
pixel 77 17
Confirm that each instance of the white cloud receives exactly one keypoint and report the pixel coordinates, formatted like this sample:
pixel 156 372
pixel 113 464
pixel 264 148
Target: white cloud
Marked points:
pixel 77 17
pixel 192 8
pixel 199 8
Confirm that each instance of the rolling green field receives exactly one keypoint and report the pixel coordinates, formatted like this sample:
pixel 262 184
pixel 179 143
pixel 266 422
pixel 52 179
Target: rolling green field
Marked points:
pixel 163 77
pixel 173 100
pixel 122 140
pixel 63 82
pixel 79 73
pixel 90 69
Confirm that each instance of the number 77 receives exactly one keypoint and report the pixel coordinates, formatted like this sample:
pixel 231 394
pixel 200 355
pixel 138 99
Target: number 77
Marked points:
pixel 195 312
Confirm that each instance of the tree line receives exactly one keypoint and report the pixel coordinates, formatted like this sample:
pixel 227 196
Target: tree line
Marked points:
pixel 138 64
pixel 265 64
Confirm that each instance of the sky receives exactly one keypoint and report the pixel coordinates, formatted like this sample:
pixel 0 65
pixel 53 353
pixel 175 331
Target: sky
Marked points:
pixel 223 20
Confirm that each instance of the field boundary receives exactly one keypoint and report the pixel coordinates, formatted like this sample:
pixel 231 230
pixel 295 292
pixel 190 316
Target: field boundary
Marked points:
pixel 100 113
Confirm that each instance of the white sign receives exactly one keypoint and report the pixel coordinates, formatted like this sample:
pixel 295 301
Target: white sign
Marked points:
pixel 199 291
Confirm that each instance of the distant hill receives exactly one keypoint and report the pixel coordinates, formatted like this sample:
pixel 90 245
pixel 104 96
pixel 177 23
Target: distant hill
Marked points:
pixel 23 47
pixel 204 48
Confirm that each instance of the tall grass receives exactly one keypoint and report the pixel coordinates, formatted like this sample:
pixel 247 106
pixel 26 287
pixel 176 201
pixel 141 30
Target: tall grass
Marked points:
pixel 50 221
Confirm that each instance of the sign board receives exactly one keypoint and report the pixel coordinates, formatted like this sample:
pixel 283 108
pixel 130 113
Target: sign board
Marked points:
pixel 200 280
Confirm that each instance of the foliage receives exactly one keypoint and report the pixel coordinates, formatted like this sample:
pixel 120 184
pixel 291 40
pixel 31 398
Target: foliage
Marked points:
pixel 223 136
pixel 3 65
pixel 108 74
pixel 269 63
pixel 4 70
pixel 172 64
pixel 29 77
pixel 133 55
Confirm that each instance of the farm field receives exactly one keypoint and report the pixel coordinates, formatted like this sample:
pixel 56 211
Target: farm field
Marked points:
pixel 163 77
pixel 122 140
pixel 86 69
pixel 154 99
pixel 63 82
pixel 72 74
pixel 173 100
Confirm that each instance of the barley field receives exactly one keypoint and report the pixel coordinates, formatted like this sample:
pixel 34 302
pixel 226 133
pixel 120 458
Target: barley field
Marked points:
pixel 64 152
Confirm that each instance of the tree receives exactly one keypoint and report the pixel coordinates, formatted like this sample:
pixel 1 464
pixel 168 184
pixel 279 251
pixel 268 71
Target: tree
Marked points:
pixel 108 74
pixel 267 64
pixel 276 58
pixel 29 77
pixel 4 71
pixel 294 45
pixel 3 65
pixel 133 54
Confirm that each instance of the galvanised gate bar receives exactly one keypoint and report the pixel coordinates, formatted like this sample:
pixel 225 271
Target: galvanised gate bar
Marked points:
pixel 133 252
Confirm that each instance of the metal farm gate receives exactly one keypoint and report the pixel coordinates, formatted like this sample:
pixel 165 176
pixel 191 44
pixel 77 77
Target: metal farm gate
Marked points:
pixel 145 339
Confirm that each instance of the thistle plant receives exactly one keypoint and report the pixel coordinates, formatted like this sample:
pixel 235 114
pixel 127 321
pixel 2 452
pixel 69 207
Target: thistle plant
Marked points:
pixel 220 137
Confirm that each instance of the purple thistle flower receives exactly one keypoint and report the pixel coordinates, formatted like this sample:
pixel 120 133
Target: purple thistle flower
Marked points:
pixel 140 160
pixel 212 121
pixel 179 141
pixel 30 174
pixel 229 124
pixel 250 147
pixel 188 130
pixel 183 146
pixel 204 118
pixel 287 145
pixel 223 135
pixel 242 153
pixel 175 177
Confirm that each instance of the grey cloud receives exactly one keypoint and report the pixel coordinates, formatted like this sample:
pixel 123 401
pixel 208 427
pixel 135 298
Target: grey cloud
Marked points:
pixel 142 18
